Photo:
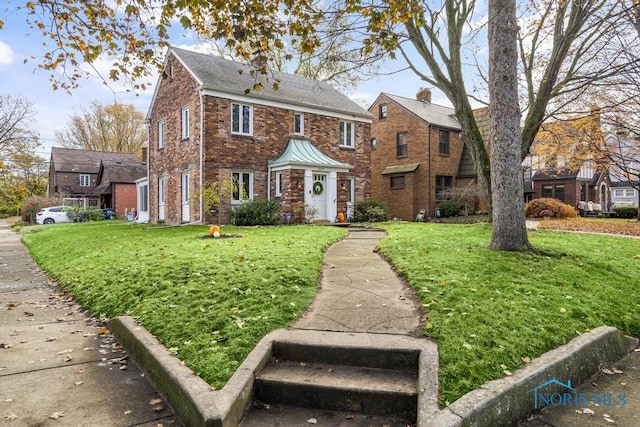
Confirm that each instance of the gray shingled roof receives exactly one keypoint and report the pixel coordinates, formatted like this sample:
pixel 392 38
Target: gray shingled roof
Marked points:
pixel 301 152
pixel 86 161
pixel 430 113
pixel 219 74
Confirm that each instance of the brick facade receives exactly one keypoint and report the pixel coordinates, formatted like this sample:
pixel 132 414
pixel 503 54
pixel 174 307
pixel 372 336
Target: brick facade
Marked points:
pixel 223 152
pixel 423 141
pixel 125 199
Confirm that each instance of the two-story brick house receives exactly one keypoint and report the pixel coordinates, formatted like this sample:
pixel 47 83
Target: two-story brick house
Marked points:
pixel 302 143
pixel 101 179
pixel 416 152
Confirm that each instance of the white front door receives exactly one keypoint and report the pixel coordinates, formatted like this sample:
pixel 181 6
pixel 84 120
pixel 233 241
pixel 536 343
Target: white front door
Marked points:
pixel 319 194
pixel 161 199
pixel 185 197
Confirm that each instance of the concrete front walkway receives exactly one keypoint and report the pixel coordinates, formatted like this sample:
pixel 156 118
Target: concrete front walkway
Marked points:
pixel 359 292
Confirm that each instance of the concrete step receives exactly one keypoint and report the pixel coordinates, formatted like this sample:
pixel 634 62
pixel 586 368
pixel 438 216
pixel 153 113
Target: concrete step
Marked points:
pixel 339 387
pixel 338 377
pixel 292 416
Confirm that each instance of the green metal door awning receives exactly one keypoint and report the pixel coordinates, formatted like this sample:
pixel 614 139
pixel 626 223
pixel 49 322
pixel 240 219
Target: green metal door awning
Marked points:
pixel 302 153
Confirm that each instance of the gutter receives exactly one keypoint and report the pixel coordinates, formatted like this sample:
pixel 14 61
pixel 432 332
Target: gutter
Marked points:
pixel 201 155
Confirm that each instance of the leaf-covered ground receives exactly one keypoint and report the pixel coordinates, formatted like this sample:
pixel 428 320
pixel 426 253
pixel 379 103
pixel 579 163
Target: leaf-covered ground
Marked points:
pixel 625 227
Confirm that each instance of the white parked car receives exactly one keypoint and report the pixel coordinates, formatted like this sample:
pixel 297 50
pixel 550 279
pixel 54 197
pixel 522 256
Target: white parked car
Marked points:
pixel 52 215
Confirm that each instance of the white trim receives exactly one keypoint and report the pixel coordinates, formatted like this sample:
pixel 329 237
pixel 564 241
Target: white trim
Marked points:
pixel 160 133
pixel 287 106
pixel 278 183
pixel 240 130
pixel 298 113
pixel 185 125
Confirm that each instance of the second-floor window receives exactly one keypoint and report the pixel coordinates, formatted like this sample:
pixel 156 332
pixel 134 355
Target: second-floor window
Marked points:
pixel 346 134
pixel 160 134
pixel 383 111
pixel 444 142
pixel 241 119
pixel 185 122
pixel 298 123
pixel 85 180
pixel 402 144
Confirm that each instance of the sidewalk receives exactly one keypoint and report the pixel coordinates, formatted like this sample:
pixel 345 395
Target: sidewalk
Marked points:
pixel 58 365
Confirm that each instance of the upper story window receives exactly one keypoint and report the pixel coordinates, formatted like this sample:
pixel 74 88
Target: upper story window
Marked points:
pixel 346 134
pixel 402 144
pixel 444 142
pixel 241 119
pixel 185 122
pixel 160 134
pixel 383 111
pixel 298 123
pixel 85 180
pixel 243 186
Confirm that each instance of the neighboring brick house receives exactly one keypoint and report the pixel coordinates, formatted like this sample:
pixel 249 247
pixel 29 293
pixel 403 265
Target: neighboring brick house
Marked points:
pixel 416 153
pixel 573 187
pixel 116 185
pixel 74 176
pixel 303 143
pixel 562 167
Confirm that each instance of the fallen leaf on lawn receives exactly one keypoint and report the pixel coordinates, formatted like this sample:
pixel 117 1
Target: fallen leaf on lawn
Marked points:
pixel 8 400
pixel 11 417
pixel 303 364
pixel 158 408
pixel 103 331
pixel 588 411
pixel 28 313
pixel 124 367
pixel 637 350
pixel 68 358
pixel 609 420
pixel 617 371
pixel 401 297
pixel 155 401
pixel 3 345
pixel 65 351
pixel 350 417
pixel 330 370
pixel 607 371
pixel 49 339
pixel 56 415
pixel 127 412
pixel 563 310
pixel 78 382
pixel 312 421
pixel 526 359
pixel 467 345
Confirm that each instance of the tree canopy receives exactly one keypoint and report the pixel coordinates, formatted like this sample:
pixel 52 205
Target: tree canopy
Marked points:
pixel 116 127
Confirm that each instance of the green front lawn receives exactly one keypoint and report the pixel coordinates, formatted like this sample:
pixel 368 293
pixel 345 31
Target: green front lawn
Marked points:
pixel 211 300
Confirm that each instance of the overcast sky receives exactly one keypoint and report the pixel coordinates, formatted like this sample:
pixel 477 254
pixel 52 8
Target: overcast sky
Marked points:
pixel 54 108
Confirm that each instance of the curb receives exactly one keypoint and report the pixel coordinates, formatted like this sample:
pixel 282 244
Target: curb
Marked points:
pixel 507 400
pixel 498 402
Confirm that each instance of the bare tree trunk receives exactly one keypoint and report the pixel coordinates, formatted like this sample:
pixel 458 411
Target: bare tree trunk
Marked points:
pixel 509 222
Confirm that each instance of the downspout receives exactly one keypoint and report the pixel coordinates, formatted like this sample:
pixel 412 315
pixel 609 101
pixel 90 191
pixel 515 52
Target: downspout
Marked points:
pixel 268 182
pixel 148 123
pixel 201 155
pixel 429 151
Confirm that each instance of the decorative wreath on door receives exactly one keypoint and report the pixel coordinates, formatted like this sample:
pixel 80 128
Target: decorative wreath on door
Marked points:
pixel 317 188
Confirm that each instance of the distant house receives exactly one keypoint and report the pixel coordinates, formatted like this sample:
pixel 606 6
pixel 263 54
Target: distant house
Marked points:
pixel 572 187
pixel 303 144
pixel 95 178
pixel 564 165
pixel 116 185
pixel 415 155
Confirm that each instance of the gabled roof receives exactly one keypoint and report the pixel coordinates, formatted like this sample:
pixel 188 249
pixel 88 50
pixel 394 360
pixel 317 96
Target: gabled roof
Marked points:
pixel 86 161
pixel 301 152
pixel 431 113
pixel 222 75
pixel 561 173
pixel 127 172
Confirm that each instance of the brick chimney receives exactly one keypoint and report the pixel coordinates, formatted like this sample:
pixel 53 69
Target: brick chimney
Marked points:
pixel 424 95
